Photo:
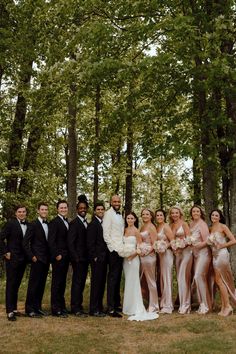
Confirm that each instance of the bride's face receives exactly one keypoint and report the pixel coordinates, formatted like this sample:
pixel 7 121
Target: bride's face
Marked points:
pixel 130 219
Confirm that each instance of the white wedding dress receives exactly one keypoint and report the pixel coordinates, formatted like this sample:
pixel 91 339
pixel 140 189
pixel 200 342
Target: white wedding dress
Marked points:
pixel 133 302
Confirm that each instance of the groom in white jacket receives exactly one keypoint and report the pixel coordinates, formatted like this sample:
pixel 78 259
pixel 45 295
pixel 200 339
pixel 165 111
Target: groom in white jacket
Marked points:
pixel 113 231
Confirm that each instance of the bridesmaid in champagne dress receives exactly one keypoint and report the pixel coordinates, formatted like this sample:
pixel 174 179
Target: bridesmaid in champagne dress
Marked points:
pixel 133 302
pixel 222 239
pixel 166 262
pixel 202 258
pixel 183 259
pixel 148 257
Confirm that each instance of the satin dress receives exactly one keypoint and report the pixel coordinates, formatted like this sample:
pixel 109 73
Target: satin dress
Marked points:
pixel 133 302
pixel 183 262
pixel 202 260
pixel 221 264
pixel 166 268
pixel 148 268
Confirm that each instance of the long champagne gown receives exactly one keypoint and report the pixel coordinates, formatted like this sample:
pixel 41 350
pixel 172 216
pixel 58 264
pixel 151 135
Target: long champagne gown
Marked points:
pixel 183 262
pixel 148 268
pixel 133 302
pixel 166 268
pixel 202 259
pixel 221 264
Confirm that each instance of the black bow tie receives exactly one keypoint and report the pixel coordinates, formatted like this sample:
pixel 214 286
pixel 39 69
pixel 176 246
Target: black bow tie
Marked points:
pixel 65 219
pixel 118 212
pixel 85 221
pixel 45 222
pixel 23 223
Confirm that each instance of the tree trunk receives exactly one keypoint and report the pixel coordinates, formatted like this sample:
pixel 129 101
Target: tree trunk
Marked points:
pixel 209 164
pixel 72 155
pixel 231 111
pixel 129 169
pixel 196 180
pixel 16 138
pixel 34 142
pixel 97 144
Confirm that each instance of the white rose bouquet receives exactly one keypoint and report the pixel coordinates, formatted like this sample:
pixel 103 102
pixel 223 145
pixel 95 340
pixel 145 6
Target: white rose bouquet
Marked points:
pixel 126 250
pixel 177 243
pixel 191 240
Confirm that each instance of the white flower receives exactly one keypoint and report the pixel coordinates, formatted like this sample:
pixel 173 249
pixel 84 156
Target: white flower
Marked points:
pixel 126 250
pixel 160 246
pixel 211 240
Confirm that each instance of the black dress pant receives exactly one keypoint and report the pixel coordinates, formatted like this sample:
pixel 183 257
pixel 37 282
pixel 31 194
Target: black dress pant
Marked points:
pixel 113 280
pixel 80 271
pixel 14 275
pixel 58 287
pixel 36 286
pixel 97 288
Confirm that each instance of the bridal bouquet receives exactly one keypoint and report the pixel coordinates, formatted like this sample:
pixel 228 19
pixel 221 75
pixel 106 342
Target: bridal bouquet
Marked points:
pixel 177 243
pixel 126 250
pixel 144 249
pixel 160 246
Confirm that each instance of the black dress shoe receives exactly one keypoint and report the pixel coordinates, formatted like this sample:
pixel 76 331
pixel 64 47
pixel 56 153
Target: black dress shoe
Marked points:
pixel 11 316
pixel 114 314
pixel 42 313
pixel 118 309
pixel 18 314
pixel 59 314
pixel 65 312
pixel 97 314
pixel 34 315
pixel 80 313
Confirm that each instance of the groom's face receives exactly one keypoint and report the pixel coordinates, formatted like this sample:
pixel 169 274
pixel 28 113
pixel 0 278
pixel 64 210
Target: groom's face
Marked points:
pixel 115 202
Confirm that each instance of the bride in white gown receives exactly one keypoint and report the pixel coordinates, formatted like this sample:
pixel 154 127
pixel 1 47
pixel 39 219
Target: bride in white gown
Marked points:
pixel 133 302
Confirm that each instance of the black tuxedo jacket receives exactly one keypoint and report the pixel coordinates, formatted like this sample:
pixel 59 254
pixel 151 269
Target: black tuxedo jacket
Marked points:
pixel 11 238
pixel 35 242
pixel 77 241
pixel 97 247
pixel 57 238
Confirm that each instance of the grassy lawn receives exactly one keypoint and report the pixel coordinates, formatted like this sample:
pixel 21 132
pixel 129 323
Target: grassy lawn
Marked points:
pixel 168 334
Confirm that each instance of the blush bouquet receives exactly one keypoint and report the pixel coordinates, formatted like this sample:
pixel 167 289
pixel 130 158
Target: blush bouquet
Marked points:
pixel 144 249
pixel 160 246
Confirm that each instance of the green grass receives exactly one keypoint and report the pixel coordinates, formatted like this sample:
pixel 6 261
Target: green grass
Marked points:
pixel 169 334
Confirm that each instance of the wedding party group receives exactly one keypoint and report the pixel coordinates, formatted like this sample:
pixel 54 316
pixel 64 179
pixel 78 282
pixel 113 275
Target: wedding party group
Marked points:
pixel 109 245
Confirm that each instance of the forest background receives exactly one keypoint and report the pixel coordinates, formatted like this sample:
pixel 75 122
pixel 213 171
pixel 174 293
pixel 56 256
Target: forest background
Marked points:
pixel 129 97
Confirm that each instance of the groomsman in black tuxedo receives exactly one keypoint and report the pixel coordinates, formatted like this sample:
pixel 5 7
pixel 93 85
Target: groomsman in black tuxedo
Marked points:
pixel 77 243
pixel 57 239
pixel 11 238
pixel 35 244
pixel 98 256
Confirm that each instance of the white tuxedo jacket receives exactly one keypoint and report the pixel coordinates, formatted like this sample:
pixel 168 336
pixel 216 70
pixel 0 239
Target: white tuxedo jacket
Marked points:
pixel 113 230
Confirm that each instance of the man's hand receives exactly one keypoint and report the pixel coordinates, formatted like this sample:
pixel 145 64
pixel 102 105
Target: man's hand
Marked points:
pixel 34 259
pixel 59 257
